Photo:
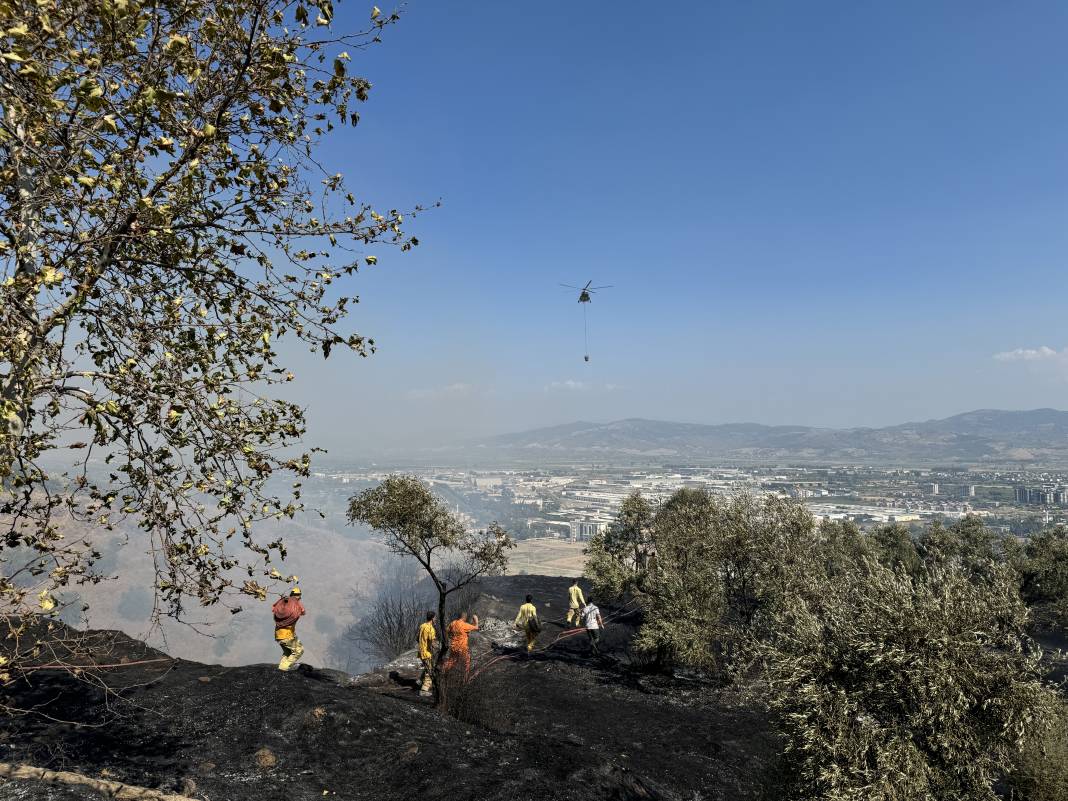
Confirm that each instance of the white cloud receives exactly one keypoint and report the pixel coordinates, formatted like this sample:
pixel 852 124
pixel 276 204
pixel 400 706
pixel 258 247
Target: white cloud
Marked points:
pixel 1040 354
pixel 455 390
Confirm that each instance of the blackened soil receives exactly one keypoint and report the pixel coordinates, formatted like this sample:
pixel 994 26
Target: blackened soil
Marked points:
pixel 557 725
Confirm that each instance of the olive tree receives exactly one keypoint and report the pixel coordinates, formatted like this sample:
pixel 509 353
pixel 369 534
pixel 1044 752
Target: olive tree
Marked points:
pixel 713 566
pixel 618 558
pixel 415 523
pixel 1042 770
pixel 967 544
pixel 895 547
pixel 1043 566
pixel 891 677
pixel 164 222
pixel 897 687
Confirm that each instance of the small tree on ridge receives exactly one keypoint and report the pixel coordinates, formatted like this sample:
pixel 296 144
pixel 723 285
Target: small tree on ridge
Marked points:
pixel 414 522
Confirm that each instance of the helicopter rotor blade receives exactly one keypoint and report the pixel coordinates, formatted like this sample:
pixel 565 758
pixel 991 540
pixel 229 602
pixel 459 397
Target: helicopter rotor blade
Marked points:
pixel 571 287
pixel 606 286
pixel 588 284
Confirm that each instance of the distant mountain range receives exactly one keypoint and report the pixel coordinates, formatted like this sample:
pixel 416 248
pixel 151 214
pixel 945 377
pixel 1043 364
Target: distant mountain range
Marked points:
pixel 984 437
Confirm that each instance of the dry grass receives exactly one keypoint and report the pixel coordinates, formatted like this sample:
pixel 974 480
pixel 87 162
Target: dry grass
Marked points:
pixel 547 557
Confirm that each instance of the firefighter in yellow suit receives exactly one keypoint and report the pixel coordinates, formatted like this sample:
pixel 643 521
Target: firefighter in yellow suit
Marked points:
pixel 575 602
pixel 287 611
pixel 427 637
pixel 527 619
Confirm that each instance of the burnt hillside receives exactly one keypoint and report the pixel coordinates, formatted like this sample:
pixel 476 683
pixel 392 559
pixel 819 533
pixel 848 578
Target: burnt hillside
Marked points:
pixel 558 725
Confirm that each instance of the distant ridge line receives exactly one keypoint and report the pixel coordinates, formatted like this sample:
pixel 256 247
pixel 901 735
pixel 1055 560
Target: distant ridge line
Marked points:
pixel 981 436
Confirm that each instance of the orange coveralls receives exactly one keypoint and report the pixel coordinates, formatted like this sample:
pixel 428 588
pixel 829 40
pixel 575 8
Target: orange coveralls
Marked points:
pixel 458 647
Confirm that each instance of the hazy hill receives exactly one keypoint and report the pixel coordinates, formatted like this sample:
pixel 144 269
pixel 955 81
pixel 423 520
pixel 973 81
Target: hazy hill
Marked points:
pixel 331 564
pixel 987 436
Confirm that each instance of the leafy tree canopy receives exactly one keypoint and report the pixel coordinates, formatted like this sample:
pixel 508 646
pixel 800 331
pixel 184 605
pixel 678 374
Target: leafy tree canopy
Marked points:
pixel 895 686
pixel 895 671
pixel 164 223
pixel 710 567
pixel 618 558
pixel 415 523
pixel 1043 567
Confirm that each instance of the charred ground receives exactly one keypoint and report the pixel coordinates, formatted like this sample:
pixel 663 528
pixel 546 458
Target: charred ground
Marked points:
pixel 557 725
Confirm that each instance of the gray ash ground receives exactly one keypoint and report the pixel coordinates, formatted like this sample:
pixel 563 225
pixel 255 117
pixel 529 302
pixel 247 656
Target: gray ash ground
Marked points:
pixel 557 725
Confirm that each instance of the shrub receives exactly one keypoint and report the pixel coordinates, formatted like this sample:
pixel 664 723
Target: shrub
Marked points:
pixel 484 700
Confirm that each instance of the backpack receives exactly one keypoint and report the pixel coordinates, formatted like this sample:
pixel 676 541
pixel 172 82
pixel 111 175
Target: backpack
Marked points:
pixel 280 610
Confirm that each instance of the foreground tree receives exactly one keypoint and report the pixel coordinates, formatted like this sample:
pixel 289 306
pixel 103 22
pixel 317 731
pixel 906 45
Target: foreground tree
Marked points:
pixel 415 523
pixel 891 687
pixel 163 223
pixel 891 677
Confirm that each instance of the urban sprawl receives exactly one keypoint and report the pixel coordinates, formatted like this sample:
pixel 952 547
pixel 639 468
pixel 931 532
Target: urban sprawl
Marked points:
pixel 575 504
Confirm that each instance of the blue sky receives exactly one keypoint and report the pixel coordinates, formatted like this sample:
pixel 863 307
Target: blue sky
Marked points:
pixel 822 213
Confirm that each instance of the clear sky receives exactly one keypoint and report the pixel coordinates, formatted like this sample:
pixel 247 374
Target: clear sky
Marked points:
pixel 818 213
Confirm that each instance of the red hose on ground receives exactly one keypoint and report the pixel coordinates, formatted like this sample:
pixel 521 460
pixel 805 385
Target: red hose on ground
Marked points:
pixel 562 635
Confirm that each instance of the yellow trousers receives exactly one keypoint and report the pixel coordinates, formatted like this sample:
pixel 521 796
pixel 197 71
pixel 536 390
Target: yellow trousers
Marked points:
pixel 292 651
pixel 573 614
pixel 532 639
pixel 426 681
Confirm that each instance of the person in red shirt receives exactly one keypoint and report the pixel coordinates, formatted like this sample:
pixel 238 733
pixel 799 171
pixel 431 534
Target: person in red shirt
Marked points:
pixel 459 652
pixel 287 611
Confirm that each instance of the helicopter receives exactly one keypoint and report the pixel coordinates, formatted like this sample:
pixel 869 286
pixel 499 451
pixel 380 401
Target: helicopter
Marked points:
pixel 586 291
pixel 584 297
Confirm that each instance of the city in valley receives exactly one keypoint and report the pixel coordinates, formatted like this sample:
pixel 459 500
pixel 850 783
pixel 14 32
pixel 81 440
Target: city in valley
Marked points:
pixel 553 511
